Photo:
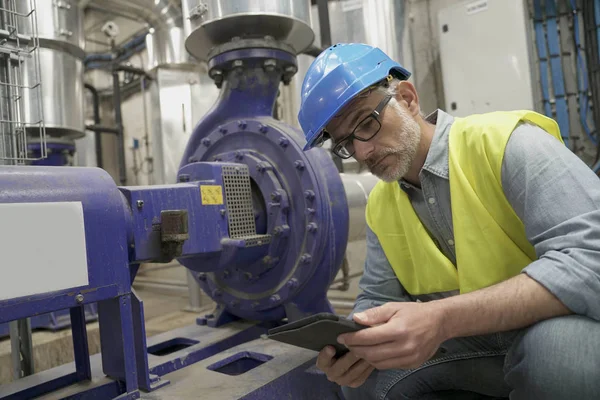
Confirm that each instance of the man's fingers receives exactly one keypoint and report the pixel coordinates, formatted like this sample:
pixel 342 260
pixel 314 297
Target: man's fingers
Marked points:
pixel 325 359
pixel 341 366
pixel 370 336
pixel 384 351
pixel 362 378
pixel 355 372
pixel 376 315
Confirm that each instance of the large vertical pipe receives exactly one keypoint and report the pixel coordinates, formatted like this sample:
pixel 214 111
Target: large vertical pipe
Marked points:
pixel 97 137
pixel 119 123
pixel 358 187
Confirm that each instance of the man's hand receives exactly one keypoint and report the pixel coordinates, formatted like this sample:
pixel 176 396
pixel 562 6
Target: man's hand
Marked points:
pixel 348 370
pixel 401 335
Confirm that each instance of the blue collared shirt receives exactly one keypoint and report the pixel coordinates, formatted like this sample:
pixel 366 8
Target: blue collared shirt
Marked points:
pixel 552 191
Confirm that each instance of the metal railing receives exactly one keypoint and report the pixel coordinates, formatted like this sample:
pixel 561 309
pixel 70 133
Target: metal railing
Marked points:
pixel 20 83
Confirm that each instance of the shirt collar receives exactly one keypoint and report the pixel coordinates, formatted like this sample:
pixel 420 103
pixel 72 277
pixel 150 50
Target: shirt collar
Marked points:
pixel 436 161
pixel 437 156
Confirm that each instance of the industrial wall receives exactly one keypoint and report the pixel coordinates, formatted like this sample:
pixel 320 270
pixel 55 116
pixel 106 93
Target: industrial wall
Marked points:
pixel 420 52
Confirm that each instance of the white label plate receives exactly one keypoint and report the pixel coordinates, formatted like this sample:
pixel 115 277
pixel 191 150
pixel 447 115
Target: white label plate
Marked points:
pixel 42 248
pixel 476 6
pixel 351 5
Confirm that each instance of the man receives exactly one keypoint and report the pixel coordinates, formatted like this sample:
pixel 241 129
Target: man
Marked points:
pixel 482 276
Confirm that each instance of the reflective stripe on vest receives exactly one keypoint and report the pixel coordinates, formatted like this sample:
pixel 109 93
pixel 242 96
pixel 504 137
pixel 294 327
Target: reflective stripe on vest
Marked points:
pixel 490 240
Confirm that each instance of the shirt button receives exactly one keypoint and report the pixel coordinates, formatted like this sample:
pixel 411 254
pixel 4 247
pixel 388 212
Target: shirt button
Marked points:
pixel 431 200
pixel 451 242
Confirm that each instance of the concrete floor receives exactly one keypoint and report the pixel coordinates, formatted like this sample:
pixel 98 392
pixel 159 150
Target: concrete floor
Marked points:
pixel 165 306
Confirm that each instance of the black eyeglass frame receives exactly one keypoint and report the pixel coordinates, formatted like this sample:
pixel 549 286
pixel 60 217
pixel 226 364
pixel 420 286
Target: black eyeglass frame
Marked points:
pixel 375 114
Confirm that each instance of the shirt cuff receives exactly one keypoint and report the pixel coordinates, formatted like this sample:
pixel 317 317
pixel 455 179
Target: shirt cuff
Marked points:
pixel 576 286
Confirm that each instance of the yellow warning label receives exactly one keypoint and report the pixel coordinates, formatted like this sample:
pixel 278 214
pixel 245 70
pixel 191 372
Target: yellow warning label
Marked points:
pixel 212 195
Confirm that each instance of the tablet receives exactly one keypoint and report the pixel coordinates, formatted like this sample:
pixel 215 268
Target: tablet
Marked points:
pixel 316 332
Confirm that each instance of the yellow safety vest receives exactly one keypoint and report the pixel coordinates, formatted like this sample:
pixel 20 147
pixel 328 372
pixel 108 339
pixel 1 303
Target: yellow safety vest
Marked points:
pixel 490 240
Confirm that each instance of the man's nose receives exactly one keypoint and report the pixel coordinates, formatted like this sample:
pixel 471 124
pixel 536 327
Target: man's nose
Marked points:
pixel 362 150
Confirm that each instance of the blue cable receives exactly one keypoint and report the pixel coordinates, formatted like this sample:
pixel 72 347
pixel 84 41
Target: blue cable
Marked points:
pixel 582 78
pixel 541 47
pixel 562 110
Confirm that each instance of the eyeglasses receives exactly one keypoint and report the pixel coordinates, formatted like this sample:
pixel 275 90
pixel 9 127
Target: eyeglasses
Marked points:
pixel 366 129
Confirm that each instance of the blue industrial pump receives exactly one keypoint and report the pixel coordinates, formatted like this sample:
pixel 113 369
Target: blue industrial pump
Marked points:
pixel 262 225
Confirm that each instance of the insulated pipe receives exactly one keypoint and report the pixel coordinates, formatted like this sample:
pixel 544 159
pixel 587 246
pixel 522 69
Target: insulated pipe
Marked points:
pixel 97 137
pixel 119 123
pixel 358 187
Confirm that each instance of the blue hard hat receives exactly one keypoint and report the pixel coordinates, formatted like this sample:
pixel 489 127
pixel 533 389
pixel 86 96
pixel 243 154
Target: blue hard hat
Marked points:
pixel 335 77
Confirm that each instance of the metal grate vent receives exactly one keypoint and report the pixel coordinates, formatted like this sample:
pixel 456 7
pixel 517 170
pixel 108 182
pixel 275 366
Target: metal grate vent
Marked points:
pixel 239 201
pixel 238 196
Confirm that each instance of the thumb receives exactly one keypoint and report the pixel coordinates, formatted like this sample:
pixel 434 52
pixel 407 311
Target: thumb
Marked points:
pixel 375 316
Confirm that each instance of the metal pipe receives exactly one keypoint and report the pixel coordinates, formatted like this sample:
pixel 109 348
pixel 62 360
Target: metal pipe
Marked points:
pixel 358 187
pixel 148 158
pixel 119 123
pixel 178 289
pixel 133 70
pixel 162 282
pixel 348 278
pixel 195 294
pixel 97 137
pixel 344 282
pixel 324 26
pixel 102 129
pixel 21 348
pixel 342 303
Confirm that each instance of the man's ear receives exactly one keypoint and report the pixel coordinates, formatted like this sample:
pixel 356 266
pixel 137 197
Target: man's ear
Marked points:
pixel 406 94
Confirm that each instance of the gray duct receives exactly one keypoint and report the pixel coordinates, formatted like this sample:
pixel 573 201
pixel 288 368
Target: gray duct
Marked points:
pixel 165 41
